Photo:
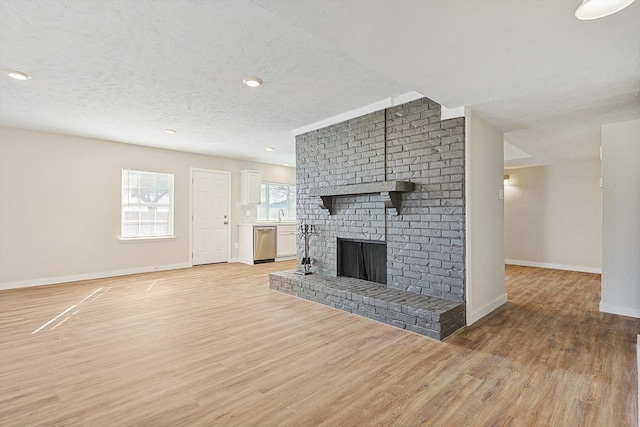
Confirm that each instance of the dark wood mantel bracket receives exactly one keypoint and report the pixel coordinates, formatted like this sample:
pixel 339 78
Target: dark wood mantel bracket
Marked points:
pixel 390 191
pixel 327 203
pixel 392 200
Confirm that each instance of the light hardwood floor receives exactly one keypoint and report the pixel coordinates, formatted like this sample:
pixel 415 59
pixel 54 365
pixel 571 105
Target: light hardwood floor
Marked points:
pixel 213 345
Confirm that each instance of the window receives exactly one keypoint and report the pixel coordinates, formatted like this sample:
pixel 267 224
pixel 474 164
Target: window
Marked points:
pixel 274 197
pixel 147 204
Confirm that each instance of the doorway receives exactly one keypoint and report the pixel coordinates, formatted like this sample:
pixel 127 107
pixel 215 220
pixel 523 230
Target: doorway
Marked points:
pixel 210 217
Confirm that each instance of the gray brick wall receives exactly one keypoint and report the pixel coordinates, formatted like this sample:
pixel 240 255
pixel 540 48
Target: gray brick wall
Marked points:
pixel 425 242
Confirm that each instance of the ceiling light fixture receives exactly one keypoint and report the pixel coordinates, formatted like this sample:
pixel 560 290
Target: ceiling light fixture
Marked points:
pixel 171 131
pixel 286 164
pixel 594 9
pixel 252 81
pixel 269 148
pixel 18 75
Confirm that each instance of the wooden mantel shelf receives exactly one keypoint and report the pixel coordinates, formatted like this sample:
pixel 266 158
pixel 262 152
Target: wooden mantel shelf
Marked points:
pixel 389 190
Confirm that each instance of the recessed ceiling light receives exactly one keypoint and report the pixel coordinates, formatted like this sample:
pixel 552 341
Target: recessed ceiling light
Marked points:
pixel 252 81
pixel 286 164
pixel 171 131
pixel 269 148
pixel 18 75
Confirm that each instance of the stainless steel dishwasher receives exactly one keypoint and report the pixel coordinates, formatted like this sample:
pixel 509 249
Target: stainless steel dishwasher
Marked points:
pixel 264 244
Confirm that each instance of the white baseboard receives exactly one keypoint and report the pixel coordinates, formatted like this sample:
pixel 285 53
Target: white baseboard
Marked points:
pixel 579 268
pixel 623 311
pixel 232 260
pixel 90 276
pixel 245 260
pixel 473 317
pixel 286 258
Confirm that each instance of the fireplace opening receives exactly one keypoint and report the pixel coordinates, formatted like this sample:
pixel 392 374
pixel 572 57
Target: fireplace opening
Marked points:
pixel 363 259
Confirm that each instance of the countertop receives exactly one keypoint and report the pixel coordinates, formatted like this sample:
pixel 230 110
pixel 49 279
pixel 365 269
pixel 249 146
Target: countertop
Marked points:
pixel 268 223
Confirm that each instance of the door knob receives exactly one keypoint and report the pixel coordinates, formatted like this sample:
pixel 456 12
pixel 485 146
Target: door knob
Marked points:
pixel 226 222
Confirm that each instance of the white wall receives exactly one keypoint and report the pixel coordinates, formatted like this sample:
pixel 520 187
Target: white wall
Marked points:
pixel 60 206
pixel 621 218
pixel 485 218
pixel 553 216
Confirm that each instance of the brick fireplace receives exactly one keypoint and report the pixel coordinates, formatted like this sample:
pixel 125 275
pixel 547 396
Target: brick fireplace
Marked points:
pixel 394 176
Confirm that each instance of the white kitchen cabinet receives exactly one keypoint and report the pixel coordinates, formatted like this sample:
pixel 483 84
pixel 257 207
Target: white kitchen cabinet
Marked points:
pixel 286 241
pixel 245 243
pixel 250 182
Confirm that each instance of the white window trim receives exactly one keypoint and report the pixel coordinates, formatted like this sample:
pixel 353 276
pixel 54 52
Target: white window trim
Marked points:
pixel 142 239
pixel 145 239
pixel 278 183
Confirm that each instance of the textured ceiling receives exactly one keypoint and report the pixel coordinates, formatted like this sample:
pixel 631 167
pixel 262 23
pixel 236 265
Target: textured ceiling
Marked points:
pixel 530 67
pixel 124 70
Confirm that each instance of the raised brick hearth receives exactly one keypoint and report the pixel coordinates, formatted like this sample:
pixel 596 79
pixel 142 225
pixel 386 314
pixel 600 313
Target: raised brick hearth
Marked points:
pixel 434 317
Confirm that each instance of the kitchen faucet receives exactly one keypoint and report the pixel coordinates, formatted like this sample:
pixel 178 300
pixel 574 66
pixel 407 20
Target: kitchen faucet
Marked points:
pixel 281 211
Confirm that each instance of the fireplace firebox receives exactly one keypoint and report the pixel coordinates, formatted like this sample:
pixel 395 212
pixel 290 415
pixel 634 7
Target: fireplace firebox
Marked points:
pixel 362 259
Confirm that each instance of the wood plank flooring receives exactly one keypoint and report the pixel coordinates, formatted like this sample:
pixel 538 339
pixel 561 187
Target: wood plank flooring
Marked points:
pixel 212 345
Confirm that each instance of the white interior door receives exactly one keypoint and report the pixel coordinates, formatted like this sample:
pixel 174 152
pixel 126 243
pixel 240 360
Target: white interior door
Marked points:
pixel 210 217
